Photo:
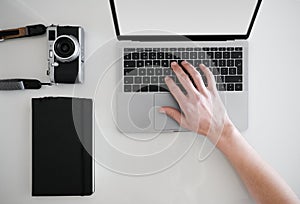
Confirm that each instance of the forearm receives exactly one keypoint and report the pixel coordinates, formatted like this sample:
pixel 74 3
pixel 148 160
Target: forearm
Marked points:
pixel 262 182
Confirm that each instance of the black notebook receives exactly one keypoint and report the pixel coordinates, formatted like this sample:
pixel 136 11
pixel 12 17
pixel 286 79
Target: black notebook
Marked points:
pixel 62 147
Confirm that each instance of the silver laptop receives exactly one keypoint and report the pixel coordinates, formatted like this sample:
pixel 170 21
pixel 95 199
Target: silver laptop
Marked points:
pixel 152 34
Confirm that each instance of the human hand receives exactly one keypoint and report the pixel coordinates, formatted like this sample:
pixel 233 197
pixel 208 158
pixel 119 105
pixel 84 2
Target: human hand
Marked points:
pixel 202 109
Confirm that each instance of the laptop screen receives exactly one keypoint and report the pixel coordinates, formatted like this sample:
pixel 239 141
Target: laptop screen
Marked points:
pixel 184 17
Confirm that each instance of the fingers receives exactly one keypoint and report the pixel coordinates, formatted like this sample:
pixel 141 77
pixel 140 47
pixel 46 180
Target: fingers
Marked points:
pixel 183 78
pixel 172 113
pixel 211 83
pixel 195 76
pixel 175 91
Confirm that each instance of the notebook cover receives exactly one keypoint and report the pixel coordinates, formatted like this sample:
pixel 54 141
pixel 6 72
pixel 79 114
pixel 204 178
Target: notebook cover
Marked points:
pixel 62 147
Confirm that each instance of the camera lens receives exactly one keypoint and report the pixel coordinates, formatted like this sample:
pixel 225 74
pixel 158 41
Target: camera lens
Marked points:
pixel 66 48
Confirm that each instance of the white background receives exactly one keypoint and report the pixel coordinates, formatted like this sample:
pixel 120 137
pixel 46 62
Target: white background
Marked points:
pixel 273 109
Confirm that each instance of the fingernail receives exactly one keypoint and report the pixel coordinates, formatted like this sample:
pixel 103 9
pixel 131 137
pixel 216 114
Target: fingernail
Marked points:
pixel 167 78
pixel 173 63
pixel 161 110
pixel 184 62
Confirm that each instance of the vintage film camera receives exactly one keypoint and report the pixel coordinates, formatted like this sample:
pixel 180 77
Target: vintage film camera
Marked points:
pixel 65 54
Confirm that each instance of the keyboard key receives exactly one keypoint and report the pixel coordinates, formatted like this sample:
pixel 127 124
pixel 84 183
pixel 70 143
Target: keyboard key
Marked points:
pixel 127 88
pixel 197 49
pixel 177 55
pixel 128 80
pixel 206 62
pixel 185 55
pixel 222 49
pixel 230 87
pixel 154 80
pixel 222 63
pixel 239 87
pixel 129 49
pixel 168 56
pixel 127 56
pixel 236 55
pixel 221 87
pixel 129 72
pixel 210 55
pixel 230 63
pixel 164 49
pixel 201 55
pixel 160 55
pixel 158 71
pixel 148 49
pixel 161 79
pixel 156 63
pixel 173 49
pixel 219 79
pixel 165 63
pixel 238 63
pixel 238 49
pixel 140 63
pixel 190 61
pixel 156 49
pixel 152 55
pixel 224 71
pixel 150 71
pixel 142 72
pixel 136 88
pixel 140 49
pixel 232 71
pixel 153 88
pixel 197 63
pixel 144 55
pixel 144 88
pixel 216 71
pixel 218 55
pixel 193 55
pixel 226 55
pixel 215 63
pixel 146 80
pixel 181 49
pixel 189 49
pixel 129 64
pixel 148 63
pixel 135 55
pixel 230 48
pixel 233 79
pixel 137 80
pixel 167 72
pixel 206 49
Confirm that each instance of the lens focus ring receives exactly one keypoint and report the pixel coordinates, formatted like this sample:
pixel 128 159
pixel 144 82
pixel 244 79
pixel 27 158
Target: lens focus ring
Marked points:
pixel 66 48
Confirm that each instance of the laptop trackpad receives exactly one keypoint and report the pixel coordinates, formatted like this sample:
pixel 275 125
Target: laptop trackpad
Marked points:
pixel 162 121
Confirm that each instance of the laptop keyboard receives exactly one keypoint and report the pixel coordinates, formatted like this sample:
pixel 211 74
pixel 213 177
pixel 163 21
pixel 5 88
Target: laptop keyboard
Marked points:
pixel 146 68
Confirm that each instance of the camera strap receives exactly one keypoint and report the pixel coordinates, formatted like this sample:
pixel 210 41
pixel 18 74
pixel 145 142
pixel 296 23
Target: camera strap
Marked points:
pixel 22 84
pixel 27 31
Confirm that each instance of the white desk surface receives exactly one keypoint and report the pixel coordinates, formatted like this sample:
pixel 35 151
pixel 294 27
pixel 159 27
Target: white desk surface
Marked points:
pixel 273 112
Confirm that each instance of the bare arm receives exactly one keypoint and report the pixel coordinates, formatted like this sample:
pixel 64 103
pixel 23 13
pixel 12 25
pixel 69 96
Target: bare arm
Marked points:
pixel 203 112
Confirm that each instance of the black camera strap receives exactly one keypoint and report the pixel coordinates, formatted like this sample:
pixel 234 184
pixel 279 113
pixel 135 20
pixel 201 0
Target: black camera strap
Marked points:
pixel 27 31
pixel 21 84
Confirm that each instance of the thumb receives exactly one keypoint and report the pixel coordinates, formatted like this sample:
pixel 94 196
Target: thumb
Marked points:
pixel 172 113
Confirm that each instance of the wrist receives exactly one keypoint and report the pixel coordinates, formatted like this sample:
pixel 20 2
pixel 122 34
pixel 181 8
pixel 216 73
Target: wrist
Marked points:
pixel 228 134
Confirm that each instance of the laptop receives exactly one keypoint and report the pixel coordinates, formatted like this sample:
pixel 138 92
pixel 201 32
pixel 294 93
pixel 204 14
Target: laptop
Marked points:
pixel 152 34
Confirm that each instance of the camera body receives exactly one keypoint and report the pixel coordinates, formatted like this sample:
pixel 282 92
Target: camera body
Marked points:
pixel 65 54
